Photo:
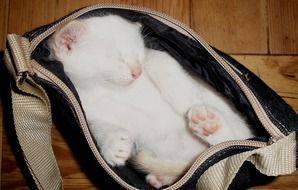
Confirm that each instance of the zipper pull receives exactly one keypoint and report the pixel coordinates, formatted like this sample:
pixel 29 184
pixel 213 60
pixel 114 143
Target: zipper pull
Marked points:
pixel 273 140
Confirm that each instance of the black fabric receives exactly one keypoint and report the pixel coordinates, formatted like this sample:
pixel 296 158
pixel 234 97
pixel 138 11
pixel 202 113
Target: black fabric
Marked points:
pixel 280 113
pixel 242 174
pixel 249 176
pixel 198 62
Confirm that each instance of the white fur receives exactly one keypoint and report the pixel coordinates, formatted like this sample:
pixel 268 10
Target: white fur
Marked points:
pixel 145 118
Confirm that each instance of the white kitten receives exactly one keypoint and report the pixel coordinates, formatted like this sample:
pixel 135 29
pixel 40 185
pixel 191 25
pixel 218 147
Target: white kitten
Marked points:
pixel 140 103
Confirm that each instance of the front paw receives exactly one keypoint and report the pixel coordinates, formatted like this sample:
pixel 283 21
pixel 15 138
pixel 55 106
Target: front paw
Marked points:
pixel 117 149
pixel 203 120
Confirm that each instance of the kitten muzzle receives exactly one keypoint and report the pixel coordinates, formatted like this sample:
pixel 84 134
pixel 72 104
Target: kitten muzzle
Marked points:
pixel 136 72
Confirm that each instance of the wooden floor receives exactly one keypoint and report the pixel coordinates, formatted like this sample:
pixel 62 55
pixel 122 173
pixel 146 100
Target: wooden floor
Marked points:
pixel 261 34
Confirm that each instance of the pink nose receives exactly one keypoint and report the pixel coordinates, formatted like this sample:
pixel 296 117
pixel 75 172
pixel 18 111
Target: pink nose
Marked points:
pixel 136 71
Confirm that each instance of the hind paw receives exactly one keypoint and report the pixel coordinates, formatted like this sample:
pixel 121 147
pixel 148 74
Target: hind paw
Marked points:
pixel 158 181
pixel 203 120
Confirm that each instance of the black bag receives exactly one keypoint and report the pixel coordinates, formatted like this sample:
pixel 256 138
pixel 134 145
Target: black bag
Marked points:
pixel 37 91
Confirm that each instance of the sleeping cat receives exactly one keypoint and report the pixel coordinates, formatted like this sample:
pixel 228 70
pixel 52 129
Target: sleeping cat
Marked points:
pixel 140 104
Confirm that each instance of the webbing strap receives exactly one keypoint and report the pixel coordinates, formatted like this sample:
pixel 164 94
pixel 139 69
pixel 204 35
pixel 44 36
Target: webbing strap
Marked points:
pixel 276 159
pixel 32 118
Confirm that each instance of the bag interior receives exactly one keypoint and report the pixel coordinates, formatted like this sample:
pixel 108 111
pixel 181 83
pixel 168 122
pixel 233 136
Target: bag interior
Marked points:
pixel 193 57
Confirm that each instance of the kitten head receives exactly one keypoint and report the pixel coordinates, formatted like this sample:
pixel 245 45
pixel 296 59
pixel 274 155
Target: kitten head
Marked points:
pixel 109 48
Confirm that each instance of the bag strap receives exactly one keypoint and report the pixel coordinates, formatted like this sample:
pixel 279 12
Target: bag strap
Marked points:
pixel 273 160
pixel 31 116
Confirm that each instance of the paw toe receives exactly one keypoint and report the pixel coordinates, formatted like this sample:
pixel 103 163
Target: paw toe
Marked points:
pixel 210 115
pixel 209 129
pixel 198 117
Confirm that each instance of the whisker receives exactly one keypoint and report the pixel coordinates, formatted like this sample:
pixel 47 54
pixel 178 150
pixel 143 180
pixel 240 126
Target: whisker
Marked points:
pixel 146 35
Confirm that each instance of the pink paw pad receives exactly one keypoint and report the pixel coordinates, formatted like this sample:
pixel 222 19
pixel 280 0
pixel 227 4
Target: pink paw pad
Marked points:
pixel 158 181
pixel 203 121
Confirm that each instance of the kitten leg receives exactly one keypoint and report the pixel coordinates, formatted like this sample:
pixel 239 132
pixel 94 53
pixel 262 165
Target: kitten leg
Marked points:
pixel 182 92
pixel 174 84
pixel 117 148
pixel 158 181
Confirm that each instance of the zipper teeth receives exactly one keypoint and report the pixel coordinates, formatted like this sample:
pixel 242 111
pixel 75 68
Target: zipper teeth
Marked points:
pixel 78 13
pixel 267 123
pixel 210 151
pixel 45 74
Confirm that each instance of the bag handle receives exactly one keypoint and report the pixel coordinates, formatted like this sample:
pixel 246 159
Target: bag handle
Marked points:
pixel 32 116
pixel 273 160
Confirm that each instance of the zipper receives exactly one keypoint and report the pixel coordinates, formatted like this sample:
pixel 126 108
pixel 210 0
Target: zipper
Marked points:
pixel 41 72
pixel 209 152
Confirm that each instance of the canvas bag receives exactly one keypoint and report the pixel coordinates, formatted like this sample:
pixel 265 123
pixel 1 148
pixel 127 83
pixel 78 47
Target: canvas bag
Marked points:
pixel 37 92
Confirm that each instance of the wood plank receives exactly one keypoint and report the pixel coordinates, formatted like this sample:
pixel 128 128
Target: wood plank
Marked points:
pixel 1 132
pixel 287 182
pixel 292 102
pixel 279 72
pixel 178 9
pixel 26 15
pixel 4 4
pixel 12 177
pixel 234 26
pixel 66 6
pixel 73 177
pixel 283 26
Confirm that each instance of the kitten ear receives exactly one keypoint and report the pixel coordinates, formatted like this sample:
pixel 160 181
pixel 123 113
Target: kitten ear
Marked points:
pixel 69 35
